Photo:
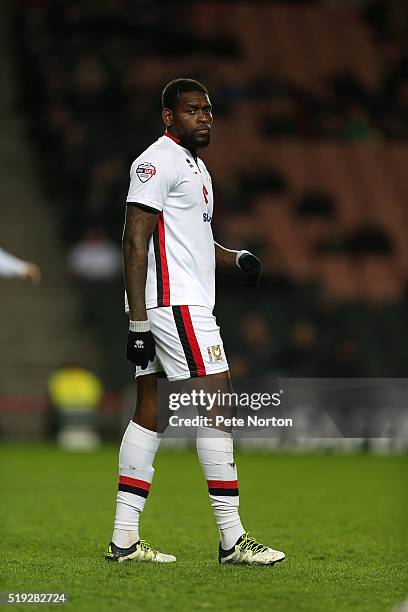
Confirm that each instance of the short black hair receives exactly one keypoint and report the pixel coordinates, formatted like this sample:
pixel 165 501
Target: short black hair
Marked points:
pixel 174 89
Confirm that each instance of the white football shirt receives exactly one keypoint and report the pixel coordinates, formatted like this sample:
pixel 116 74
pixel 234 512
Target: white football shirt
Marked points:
pixel 181 257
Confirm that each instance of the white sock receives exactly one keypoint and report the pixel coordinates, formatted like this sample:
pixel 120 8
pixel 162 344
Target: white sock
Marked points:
pixel 136 456
pixel 215 452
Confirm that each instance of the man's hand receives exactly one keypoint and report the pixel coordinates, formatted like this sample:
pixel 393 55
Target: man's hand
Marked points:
pixel 251 268
pixel 30 271
pixel 140 343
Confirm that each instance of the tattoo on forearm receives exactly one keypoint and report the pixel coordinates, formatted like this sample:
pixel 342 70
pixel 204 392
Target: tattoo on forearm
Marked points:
pixel 139 226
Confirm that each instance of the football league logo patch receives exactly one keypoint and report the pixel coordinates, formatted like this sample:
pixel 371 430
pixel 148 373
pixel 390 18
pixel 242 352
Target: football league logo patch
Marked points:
pixel 145 171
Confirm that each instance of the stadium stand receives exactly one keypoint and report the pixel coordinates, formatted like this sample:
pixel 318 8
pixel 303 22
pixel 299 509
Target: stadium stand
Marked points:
pixel 309 155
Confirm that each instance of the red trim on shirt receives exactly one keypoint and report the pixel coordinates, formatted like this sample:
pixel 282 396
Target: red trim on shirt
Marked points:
pixel 163 259
pixel 192 339
pixel 172 137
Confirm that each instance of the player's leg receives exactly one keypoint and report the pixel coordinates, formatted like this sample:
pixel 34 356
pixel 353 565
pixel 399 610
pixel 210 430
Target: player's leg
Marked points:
pixel 216 454
pixel 145 414
pixel 136 455
pixel 138 449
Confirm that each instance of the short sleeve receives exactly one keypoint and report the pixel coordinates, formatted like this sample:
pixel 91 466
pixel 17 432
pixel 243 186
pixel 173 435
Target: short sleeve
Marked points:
pixel 152 176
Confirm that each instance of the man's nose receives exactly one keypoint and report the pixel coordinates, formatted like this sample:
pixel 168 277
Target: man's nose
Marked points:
pixel 202 118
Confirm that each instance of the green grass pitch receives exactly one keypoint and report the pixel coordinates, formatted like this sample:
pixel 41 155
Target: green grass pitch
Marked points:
pixel 341 519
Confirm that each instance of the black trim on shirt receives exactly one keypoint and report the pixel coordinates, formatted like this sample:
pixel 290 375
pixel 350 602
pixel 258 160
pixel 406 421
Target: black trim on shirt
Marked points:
pixel 144 207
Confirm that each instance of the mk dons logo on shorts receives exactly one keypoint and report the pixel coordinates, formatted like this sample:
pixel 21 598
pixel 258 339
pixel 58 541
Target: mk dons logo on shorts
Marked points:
pixel 214 353
pixel 145 171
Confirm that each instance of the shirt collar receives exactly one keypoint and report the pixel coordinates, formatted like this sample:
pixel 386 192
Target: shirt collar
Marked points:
pixel 177 141
pixel 166 133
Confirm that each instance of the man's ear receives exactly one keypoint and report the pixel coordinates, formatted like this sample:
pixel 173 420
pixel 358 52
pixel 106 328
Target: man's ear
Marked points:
pixel 167 116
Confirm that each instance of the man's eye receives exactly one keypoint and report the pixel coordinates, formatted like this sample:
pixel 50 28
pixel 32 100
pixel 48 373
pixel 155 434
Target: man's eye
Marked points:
pixel 191 111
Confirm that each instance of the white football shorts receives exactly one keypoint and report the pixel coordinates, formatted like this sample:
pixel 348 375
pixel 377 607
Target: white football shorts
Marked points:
pixel 188 343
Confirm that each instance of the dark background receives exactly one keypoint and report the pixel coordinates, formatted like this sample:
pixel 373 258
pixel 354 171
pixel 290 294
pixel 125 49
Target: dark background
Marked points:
pixel 309 161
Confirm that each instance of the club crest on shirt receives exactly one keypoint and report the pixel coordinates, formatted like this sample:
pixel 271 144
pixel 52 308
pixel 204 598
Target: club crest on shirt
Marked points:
pixel 145 171
pixel 214 353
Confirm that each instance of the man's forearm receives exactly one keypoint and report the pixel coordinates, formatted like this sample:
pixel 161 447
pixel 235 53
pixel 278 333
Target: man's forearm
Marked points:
pixel 135 270
pixel 225 257
pixel 249 265
pixel 139 226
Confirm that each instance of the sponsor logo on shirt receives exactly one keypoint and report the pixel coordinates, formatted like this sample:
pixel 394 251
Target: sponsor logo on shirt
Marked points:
pixel 145 171
pixel 207 218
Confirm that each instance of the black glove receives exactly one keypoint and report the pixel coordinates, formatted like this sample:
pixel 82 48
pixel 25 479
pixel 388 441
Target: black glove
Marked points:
pixel 251 268
pixel 140 344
